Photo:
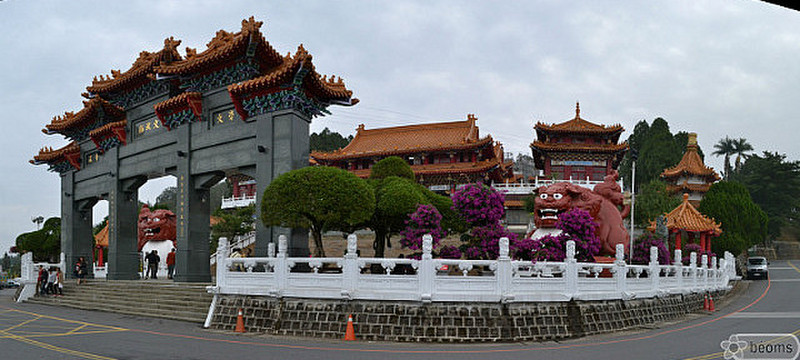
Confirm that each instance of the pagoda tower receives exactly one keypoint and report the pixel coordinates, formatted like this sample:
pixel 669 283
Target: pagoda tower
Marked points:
pixel 691 176
pixel 577 149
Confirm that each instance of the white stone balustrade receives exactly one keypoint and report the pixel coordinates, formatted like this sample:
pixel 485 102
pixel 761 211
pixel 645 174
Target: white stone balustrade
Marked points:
pixel 502 280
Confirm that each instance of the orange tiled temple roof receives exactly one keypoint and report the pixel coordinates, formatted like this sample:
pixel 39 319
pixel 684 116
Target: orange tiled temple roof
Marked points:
pixel 84 116
pixel 411 138
pixel 101 239
pixel 436 169
pixel 691 164
pixel 177 101
pixel 594 148
pixel 47 154
pixel 686 217
pixel 140 72
pixel 578 125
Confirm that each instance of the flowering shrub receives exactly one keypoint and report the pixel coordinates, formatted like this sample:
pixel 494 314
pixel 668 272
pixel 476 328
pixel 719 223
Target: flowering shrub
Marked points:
pixel 449 252
pixel 576 225
pixel 486 239
pixel 425 220
pixel 479 204
pixel 523 249
pixel 687 250
pixel 641 250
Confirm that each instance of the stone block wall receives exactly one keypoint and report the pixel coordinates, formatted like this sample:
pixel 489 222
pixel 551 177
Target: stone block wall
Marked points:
pixel 448 322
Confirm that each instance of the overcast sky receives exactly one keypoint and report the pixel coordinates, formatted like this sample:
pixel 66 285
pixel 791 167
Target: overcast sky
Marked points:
pixel 718 68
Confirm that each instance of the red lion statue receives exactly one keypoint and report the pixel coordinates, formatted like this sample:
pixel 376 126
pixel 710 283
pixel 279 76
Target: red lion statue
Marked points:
pixel 156 225
pixel 602 204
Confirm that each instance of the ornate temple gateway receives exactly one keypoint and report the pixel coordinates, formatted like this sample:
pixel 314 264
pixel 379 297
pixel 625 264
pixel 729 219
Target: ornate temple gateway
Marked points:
pixel 442 155
pixel 690 176
pixel 238 107
pixel 577 149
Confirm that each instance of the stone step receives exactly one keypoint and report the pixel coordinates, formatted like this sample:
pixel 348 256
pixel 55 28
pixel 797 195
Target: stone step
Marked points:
pixel 195 316
pixel 153 298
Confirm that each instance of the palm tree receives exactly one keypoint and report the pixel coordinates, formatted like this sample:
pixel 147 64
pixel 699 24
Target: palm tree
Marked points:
pixel 725 147
pixel 741 148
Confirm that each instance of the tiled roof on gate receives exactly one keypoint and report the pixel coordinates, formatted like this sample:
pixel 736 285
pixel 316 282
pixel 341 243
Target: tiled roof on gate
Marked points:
pixel 686 217
pixel 317 85
pixel 226 47
pixel 85 116
pixel 577 125
pixel 572 147
pixel 411 138
pixel 691 164
pixel 48 155
pixel 140 72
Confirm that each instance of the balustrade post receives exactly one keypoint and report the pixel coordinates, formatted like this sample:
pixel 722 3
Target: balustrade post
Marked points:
pixel 26 265
pixel 350 268
pixel 731 263
pixel 704 271
pixel 427 271
pixel 693 269
pixel 504 271
pixel 679 268
pixel 222 265
pixel 281 266
pixel 714 272
pixel 62 263
pixel 271 250
pixel 621 271
pixel 571 271
pixel 655 270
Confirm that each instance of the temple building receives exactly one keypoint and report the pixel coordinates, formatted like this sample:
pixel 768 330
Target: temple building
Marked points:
pixel 691 176
pixel 685 222
pixel 577 149
pixel 442 155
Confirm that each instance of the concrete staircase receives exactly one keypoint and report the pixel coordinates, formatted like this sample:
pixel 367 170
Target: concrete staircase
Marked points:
pixel 153 298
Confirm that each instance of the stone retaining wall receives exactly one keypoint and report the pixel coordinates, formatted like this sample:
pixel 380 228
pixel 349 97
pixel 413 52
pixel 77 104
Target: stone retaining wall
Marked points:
pixel 448 322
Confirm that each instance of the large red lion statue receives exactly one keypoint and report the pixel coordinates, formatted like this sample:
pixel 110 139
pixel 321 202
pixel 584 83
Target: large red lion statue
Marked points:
pixel 157 225
pixel 603 204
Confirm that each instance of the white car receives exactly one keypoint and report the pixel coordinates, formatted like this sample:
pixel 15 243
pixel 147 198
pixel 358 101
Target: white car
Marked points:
pixel 757 268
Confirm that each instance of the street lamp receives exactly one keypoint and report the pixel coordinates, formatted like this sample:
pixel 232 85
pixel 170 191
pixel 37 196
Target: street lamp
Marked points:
pixel 38 220
pixel 634 157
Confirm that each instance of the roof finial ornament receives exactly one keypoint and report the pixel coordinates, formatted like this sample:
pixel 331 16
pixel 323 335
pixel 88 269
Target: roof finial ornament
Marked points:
pixel 577 109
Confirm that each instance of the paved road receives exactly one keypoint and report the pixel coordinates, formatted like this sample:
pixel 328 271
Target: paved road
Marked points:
pixel 29 331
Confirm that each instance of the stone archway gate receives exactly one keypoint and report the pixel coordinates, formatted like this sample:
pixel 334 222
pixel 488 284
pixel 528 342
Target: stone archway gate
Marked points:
pixel 239 106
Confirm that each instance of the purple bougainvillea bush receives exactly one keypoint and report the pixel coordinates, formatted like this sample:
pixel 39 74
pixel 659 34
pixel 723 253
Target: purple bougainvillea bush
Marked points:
pixel 686 251
pixel 577 225
pixel 425 220
pixel 479 204
pixel 641 249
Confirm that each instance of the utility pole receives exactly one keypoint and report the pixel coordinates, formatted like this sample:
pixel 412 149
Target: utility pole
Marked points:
pixel 634 157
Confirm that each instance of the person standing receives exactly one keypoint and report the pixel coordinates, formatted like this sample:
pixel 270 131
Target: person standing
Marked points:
pixel 80 270
pixel 41 283
pixel 152 263
pixel 149 269
pixel 51 282
pixel 39 280
pixel 58 287
pixel 170 263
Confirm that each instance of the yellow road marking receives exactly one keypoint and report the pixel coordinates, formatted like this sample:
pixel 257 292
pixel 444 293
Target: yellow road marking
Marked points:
pixel 792 265
pixel 53 347
pixel 22 323
pixel 76 329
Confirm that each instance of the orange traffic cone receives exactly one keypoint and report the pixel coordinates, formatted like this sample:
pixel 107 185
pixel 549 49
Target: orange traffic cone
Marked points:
pixel 705 304
pixel 239 323
pixel 710 303
pixel 350 335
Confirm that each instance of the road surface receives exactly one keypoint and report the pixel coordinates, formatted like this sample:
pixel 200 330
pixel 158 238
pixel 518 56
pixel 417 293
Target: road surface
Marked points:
pixel 30 331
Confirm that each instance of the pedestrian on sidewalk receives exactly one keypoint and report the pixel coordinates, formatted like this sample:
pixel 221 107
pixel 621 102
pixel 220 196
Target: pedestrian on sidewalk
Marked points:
pixel 170 263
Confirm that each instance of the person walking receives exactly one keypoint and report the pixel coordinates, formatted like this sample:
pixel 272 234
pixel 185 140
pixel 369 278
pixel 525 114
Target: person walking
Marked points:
pixel 51 280
pixel 152 263
pixel 170 263
pixel 80 270
pixel 149 268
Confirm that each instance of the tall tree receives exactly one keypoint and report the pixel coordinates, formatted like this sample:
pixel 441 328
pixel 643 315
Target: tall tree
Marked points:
pixel 725 147
pixel 654 200
pixel 168 199
pixel 45 243
pixel 658 149
pixel 328 140
pixel 774 185
pixel 742 220
pixel 320 198
pixel 742 149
